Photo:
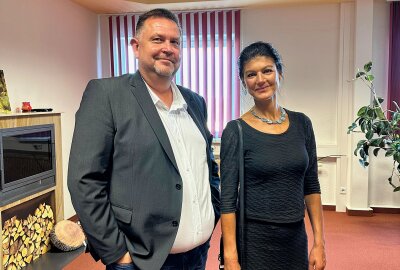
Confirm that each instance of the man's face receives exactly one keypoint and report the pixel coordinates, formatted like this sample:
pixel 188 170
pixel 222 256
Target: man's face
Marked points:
pixel 158 47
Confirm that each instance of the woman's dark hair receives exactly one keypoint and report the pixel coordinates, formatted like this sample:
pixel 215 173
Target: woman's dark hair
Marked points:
pixel 156 13
pixel 255 49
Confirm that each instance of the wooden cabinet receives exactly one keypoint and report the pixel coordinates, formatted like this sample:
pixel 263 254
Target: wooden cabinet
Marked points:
pixel 53 195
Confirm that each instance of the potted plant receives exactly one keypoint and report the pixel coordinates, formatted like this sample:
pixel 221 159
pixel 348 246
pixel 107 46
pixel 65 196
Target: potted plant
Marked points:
pixel 381 129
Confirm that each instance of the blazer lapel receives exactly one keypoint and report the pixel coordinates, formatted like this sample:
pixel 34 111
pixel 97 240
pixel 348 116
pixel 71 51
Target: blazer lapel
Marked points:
pixel 142 95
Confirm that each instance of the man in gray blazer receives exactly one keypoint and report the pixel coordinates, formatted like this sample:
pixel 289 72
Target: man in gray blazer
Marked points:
pixel 141 173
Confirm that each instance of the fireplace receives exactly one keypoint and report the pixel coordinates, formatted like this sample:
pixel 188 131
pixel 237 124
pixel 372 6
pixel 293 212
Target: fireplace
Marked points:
pixel 27 156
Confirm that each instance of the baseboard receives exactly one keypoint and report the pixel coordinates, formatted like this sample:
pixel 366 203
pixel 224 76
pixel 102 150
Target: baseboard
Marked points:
pixel 359 212
pixel 329 207
pixel 386 210
pixel 74 218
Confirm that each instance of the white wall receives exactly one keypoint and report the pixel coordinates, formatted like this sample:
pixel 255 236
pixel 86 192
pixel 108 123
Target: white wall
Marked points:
pixel 307 38
pixel 48 53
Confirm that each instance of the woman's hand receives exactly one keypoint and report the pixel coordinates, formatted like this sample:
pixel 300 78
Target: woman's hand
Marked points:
pixel 231 264
pixel 317 258
pixel 228 227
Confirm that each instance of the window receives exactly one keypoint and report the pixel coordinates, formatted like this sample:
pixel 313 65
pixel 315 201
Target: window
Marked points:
pixel 210 49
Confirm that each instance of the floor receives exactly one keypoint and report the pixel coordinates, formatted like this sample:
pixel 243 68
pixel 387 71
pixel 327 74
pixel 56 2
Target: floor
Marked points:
pixel 352 243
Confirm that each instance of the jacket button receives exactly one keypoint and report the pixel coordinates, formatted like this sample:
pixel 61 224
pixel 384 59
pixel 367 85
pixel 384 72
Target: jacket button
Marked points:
pixel 178 187
pixel 175 223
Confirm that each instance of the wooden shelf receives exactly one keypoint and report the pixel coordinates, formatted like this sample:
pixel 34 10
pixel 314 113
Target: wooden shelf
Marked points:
pixel 55 260
pixel 28 198
pixel 30 114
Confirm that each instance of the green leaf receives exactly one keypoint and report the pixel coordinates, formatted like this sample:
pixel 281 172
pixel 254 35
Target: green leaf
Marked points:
pixel 368 66
pixel 362 154
pixel 362 111
pixel 385 128
pixel 376 150
pixel 351 128
pixel 371 112
pixel 379 113
pixel 396 157
pixel 379 128
pixel 359 74
pixel 380 100
pixel 374 142
pixel 396 117
pixel 370 78
pixel 369 134
pixel 370 125
pixel 360 143
pixel 382 143
pixel 360 120
pixel 396 189
pixel 389 153
pixel 365 147
pixel 363 126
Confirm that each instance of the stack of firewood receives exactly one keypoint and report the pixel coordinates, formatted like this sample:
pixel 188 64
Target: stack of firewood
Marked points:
pixel 25 240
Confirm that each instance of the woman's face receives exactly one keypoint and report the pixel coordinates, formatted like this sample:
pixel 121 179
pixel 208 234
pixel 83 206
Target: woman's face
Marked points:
pixel 261 78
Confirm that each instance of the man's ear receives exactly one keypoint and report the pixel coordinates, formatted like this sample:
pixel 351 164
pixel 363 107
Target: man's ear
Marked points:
pixel 135 46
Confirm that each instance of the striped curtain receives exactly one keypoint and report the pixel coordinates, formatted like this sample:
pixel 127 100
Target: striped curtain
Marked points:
pixel 210 49
pixel 394 56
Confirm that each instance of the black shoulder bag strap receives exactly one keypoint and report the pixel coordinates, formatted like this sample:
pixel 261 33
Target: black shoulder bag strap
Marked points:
pixel 241 196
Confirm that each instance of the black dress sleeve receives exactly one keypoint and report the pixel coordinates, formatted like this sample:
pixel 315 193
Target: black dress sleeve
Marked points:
pixel 229 168
pixel 311 182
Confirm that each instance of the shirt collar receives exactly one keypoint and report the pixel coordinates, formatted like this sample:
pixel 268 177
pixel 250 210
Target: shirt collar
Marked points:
pixel 178 102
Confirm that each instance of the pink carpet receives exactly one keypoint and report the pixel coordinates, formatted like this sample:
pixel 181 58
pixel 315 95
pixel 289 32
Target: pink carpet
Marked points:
pixel 352 243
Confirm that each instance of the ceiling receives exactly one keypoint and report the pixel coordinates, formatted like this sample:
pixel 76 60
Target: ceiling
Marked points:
pixel 127 6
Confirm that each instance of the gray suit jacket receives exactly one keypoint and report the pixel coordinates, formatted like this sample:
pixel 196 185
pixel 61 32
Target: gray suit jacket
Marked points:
pixel 122 176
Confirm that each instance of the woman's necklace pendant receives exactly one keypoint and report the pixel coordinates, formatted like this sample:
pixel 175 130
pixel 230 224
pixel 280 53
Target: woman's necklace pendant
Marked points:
pixel 269 121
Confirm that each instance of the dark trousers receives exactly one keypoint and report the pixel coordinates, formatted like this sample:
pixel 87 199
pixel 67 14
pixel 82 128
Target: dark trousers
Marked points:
pixel 194 259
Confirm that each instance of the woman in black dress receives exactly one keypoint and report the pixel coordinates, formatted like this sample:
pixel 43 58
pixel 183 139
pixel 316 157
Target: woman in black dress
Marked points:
pixel 280 175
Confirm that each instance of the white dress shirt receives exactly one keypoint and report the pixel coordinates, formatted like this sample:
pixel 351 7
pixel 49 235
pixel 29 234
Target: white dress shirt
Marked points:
pixel 189 147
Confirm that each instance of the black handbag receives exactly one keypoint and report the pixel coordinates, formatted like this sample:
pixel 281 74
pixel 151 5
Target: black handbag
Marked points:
pixel 239 220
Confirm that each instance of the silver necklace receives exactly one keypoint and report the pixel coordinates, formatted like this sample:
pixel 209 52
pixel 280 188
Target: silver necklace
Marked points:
pixel 269 121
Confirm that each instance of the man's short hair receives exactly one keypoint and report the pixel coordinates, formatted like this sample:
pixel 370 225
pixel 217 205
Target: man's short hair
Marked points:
pixel 156 13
